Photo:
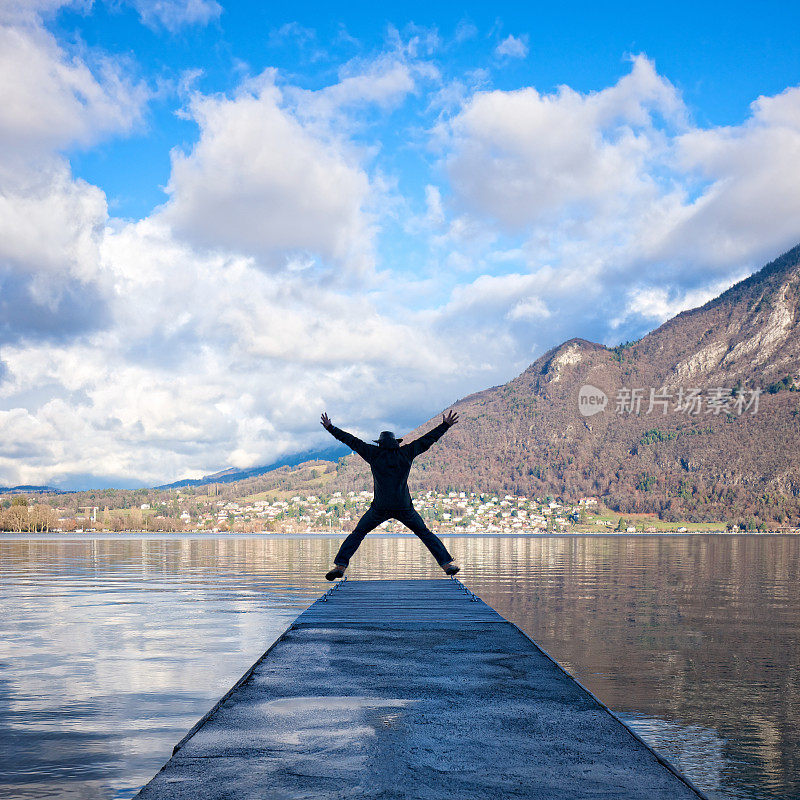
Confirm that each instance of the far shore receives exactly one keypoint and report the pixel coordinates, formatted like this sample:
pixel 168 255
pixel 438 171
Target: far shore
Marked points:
pixel 66 535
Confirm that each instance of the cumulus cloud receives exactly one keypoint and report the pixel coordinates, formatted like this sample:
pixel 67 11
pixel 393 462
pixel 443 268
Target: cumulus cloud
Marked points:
pixel 749 203
pixel 51 224
pixel 512 47
pixel 521 157
pixel 275 172
pixel 505 321
pixel 659 304
pixel 258 181
pixel 623 177
pixel 218 343
pixel 51 281
pixel 57 100
pixel 210 361
pixel 621 195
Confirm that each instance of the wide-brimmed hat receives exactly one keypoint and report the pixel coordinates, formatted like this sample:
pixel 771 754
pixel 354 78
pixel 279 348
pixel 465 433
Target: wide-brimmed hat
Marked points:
pixel 386 438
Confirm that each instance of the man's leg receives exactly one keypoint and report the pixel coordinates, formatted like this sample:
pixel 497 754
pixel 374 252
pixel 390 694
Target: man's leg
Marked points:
pixel 367 523
pixel 411 519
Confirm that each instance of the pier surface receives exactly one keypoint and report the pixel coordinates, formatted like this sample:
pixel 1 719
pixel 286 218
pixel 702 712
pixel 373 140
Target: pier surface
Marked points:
pixel 410 689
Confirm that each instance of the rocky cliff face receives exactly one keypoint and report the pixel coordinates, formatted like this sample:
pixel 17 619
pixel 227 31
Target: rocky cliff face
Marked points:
pixel 700 420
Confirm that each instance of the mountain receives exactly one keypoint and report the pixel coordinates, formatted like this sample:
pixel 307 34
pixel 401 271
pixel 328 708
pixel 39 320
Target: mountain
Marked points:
pixel 232 474
pixel 29 489
pixel 735 361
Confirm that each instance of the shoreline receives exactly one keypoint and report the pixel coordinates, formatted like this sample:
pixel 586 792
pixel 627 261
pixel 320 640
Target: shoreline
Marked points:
pixel 108 535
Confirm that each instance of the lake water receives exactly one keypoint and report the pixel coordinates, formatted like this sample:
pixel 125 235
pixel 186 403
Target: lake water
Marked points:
pixel 111 648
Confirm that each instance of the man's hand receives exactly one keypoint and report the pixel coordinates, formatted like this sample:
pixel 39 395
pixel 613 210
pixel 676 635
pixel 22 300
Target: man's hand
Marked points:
pixel 450 418
pixel 325 421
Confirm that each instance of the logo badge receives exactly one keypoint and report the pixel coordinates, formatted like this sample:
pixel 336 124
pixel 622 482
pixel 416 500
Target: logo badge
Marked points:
pixel 591 400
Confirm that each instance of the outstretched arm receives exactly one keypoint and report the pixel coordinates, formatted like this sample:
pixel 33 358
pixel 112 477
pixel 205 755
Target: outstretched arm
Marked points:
pixel 353 442
pixel 424 442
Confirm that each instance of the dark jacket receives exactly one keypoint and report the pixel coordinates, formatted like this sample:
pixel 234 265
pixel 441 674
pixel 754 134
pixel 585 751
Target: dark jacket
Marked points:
pixel 390 465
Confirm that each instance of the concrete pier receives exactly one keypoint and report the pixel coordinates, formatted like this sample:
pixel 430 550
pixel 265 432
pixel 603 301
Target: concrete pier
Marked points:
pixel 410 689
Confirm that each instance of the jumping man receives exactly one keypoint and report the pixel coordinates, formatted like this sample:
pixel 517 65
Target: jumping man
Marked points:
pixel 390 464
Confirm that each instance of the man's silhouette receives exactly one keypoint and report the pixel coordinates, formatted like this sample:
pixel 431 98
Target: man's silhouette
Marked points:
pixel 390 464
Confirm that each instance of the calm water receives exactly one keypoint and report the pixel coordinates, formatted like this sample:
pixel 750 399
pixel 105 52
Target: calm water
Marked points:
pixel 110 649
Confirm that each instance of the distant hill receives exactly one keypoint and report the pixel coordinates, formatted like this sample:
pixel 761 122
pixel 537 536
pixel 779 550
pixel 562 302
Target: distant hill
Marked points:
pixel 232 474
pixel 528 437
pixel 27 488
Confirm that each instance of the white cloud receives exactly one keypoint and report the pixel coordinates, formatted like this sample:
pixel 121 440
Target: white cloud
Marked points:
pixel 258 181
pixel 176 14
pixel 204 358
pixel 521 158
pixel 529 308
pixel 465 30
pixel 383 82
pixel 51 100
pixel 749 204
pixel 613 208
pixel 622 177
pixel 50 224
pixel 512 47
pixel 170 14
pixel 292 31
pixel 433 201
pixel 16 11
pixel 659 304
pixel 210 361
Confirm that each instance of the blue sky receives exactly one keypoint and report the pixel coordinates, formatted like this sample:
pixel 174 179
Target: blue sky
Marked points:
pixel 220 218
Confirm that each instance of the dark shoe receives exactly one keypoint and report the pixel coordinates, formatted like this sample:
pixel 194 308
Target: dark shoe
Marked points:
pixel 451 568
pixel 333 574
